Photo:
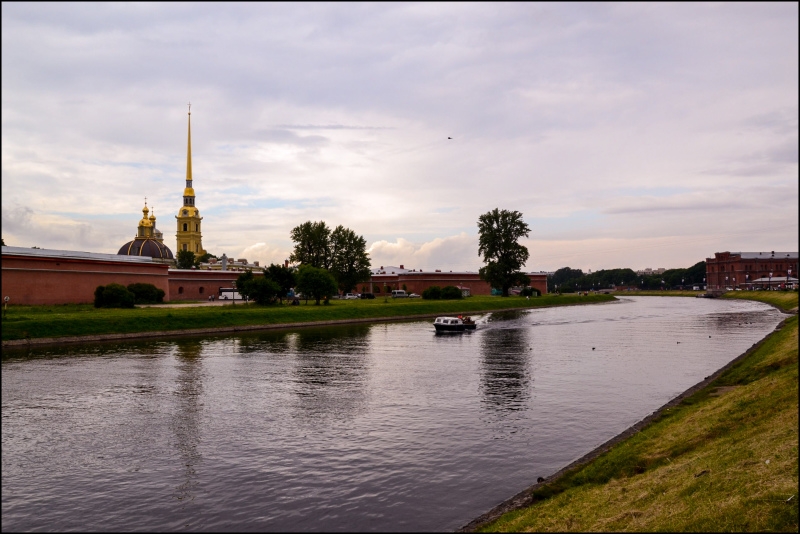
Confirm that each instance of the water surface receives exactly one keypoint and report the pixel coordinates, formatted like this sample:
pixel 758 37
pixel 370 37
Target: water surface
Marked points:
pixel 368 427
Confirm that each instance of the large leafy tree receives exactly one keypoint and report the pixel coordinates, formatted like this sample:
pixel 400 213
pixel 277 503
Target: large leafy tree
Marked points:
pixel 283 277
pixel 312 244
pixel 498 243
pixel 341 251
pixel 349 259
pixel 315 283
pixel 185 259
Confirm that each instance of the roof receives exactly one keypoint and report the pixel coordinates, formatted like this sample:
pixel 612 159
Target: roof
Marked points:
pixel 765 255
pixel 76 254
pixel 145 246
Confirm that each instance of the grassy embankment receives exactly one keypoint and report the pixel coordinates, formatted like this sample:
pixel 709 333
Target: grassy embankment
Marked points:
pixel 724 459
pixel 84 320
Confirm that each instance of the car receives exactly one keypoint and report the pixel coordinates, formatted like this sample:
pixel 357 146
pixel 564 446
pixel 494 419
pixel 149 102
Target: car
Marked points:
pixel 399 293
pixel 350 296
pixel 367 295
pixel 414 296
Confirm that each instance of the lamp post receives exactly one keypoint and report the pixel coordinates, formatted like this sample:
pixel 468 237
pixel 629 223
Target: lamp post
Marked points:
pixel 682 279
pixel 788 275
pixel 746 281
pixel 5 306
pixel 726 282
pixel 734 282
pixel 770 281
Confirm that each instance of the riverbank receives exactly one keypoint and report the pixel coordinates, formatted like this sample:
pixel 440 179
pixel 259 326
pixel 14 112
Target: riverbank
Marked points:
pixel 721 456
pixel 47 325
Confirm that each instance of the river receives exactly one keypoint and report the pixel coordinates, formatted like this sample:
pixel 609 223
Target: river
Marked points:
pixel 350 428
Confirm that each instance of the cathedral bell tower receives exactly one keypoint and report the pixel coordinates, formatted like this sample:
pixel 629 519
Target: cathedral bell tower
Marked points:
pixel 189 221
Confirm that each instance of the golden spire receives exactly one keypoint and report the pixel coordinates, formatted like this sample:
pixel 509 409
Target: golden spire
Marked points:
pixel 189 150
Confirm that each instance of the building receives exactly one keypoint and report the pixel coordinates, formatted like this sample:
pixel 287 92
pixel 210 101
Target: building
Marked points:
pixel 385 279
pixel 750 270
pixel 42 276
pixel 189 236
pixel 649 272
pixel 149 241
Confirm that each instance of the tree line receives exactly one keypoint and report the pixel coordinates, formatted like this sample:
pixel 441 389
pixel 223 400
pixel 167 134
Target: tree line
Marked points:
pixel 568 280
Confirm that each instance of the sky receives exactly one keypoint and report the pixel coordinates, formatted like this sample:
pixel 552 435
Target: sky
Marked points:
pixel 626 134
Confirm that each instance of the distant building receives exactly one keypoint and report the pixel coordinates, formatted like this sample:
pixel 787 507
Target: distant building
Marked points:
pixel 189 236
pixel 385 279
pixel 750 270
pixel 148 241
pixel 651 272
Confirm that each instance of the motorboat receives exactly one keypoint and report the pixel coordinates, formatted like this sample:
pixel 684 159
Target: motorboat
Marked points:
pixel 453 324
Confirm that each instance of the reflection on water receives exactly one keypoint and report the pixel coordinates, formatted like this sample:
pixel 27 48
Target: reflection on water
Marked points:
pixel 360 428
pixel 505 373
pixel 185 422
pixel 331 371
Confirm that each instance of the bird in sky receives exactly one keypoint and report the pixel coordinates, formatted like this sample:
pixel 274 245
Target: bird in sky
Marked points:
pixel 449 137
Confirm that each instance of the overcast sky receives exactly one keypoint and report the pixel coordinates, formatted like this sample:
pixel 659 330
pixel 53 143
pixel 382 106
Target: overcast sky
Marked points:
pixel 628 135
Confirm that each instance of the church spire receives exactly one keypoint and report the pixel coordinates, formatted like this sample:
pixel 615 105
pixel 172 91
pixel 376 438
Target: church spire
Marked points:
pixel 189 151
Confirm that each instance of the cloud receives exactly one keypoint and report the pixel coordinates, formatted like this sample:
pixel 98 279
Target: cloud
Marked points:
pixel 457 253
pixel 596 121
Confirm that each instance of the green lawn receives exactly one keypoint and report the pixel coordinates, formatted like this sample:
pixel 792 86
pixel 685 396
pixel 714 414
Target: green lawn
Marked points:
pixel 785 300
pixel 80 320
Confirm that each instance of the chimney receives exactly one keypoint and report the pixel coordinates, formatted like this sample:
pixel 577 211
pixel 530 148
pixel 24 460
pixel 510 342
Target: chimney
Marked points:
pixel 401 266
pixel 286 263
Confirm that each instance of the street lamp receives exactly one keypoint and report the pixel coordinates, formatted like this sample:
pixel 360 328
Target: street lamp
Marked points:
pixel 682 279
pixel 734 282
pixel 770 281
pixel 747 281
pixel 726 282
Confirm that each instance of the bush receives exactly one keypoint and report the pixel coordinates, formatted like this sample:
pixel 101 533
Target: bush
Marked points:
pixel 263 290
pixel 451 293
pixel 530 292
pixel 146 293
pixel 432 293
pixel 113 296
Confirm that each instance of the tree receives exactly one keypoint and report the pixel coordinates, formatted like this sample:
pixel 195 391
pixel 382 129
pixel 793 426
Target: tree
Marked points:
pixel 504 256
pixel 263 290
pixel 312 242
pixel 185 259
pixel 204 258
pixel 314 282
pixel 146 293
pixel 113 296
pixel 2 242
pixel 349 262
pixel 284 277
pixel 244 284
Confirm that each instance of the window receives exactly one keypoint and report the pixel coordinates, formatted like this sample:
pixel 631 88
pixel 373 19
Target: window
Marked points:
pixel 185 246
pixel 201 290
pixel 196 227
pixel 180 290
pixel 185 213
pixel 185 227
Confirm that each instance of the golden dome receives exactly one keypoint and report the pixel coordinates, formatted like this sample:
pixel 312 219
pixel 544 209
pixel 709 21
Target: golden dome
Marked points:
pixel 188 192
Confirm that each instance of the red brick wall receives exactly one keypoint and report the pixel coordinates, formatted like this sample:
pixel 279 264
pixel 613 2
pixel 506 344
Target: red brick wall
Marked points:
pixel 58 280
pixel 198 284
pixel 417 282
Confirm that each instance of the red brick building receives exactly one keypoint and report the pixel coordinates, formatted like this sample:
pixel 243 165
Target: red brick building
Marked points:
pixel 39 276
pixel 748 270
pixel 416 281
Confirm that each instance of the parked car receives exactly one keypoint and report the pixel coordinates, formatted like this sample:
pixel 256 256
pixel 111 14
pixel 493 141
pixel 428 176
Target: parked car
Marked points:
pixel 414 296
pixel 350 296
pixel 399 293
pixel 367 295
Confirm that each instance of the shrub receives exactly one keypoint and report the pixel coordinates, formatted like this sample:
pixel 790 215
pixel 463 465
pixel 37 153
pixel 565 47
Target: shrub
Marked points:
pixel 113 296
pixel 146 293
pixel 530 292
pixel 432 293
pixel 263 290
pixel 451 293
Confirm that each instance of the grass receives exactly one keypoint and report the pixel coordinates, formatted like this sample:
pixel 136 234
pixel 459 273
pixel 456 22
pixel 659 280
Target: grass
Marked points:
pixel 725 459
pixel 34 322
pixel 784 300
